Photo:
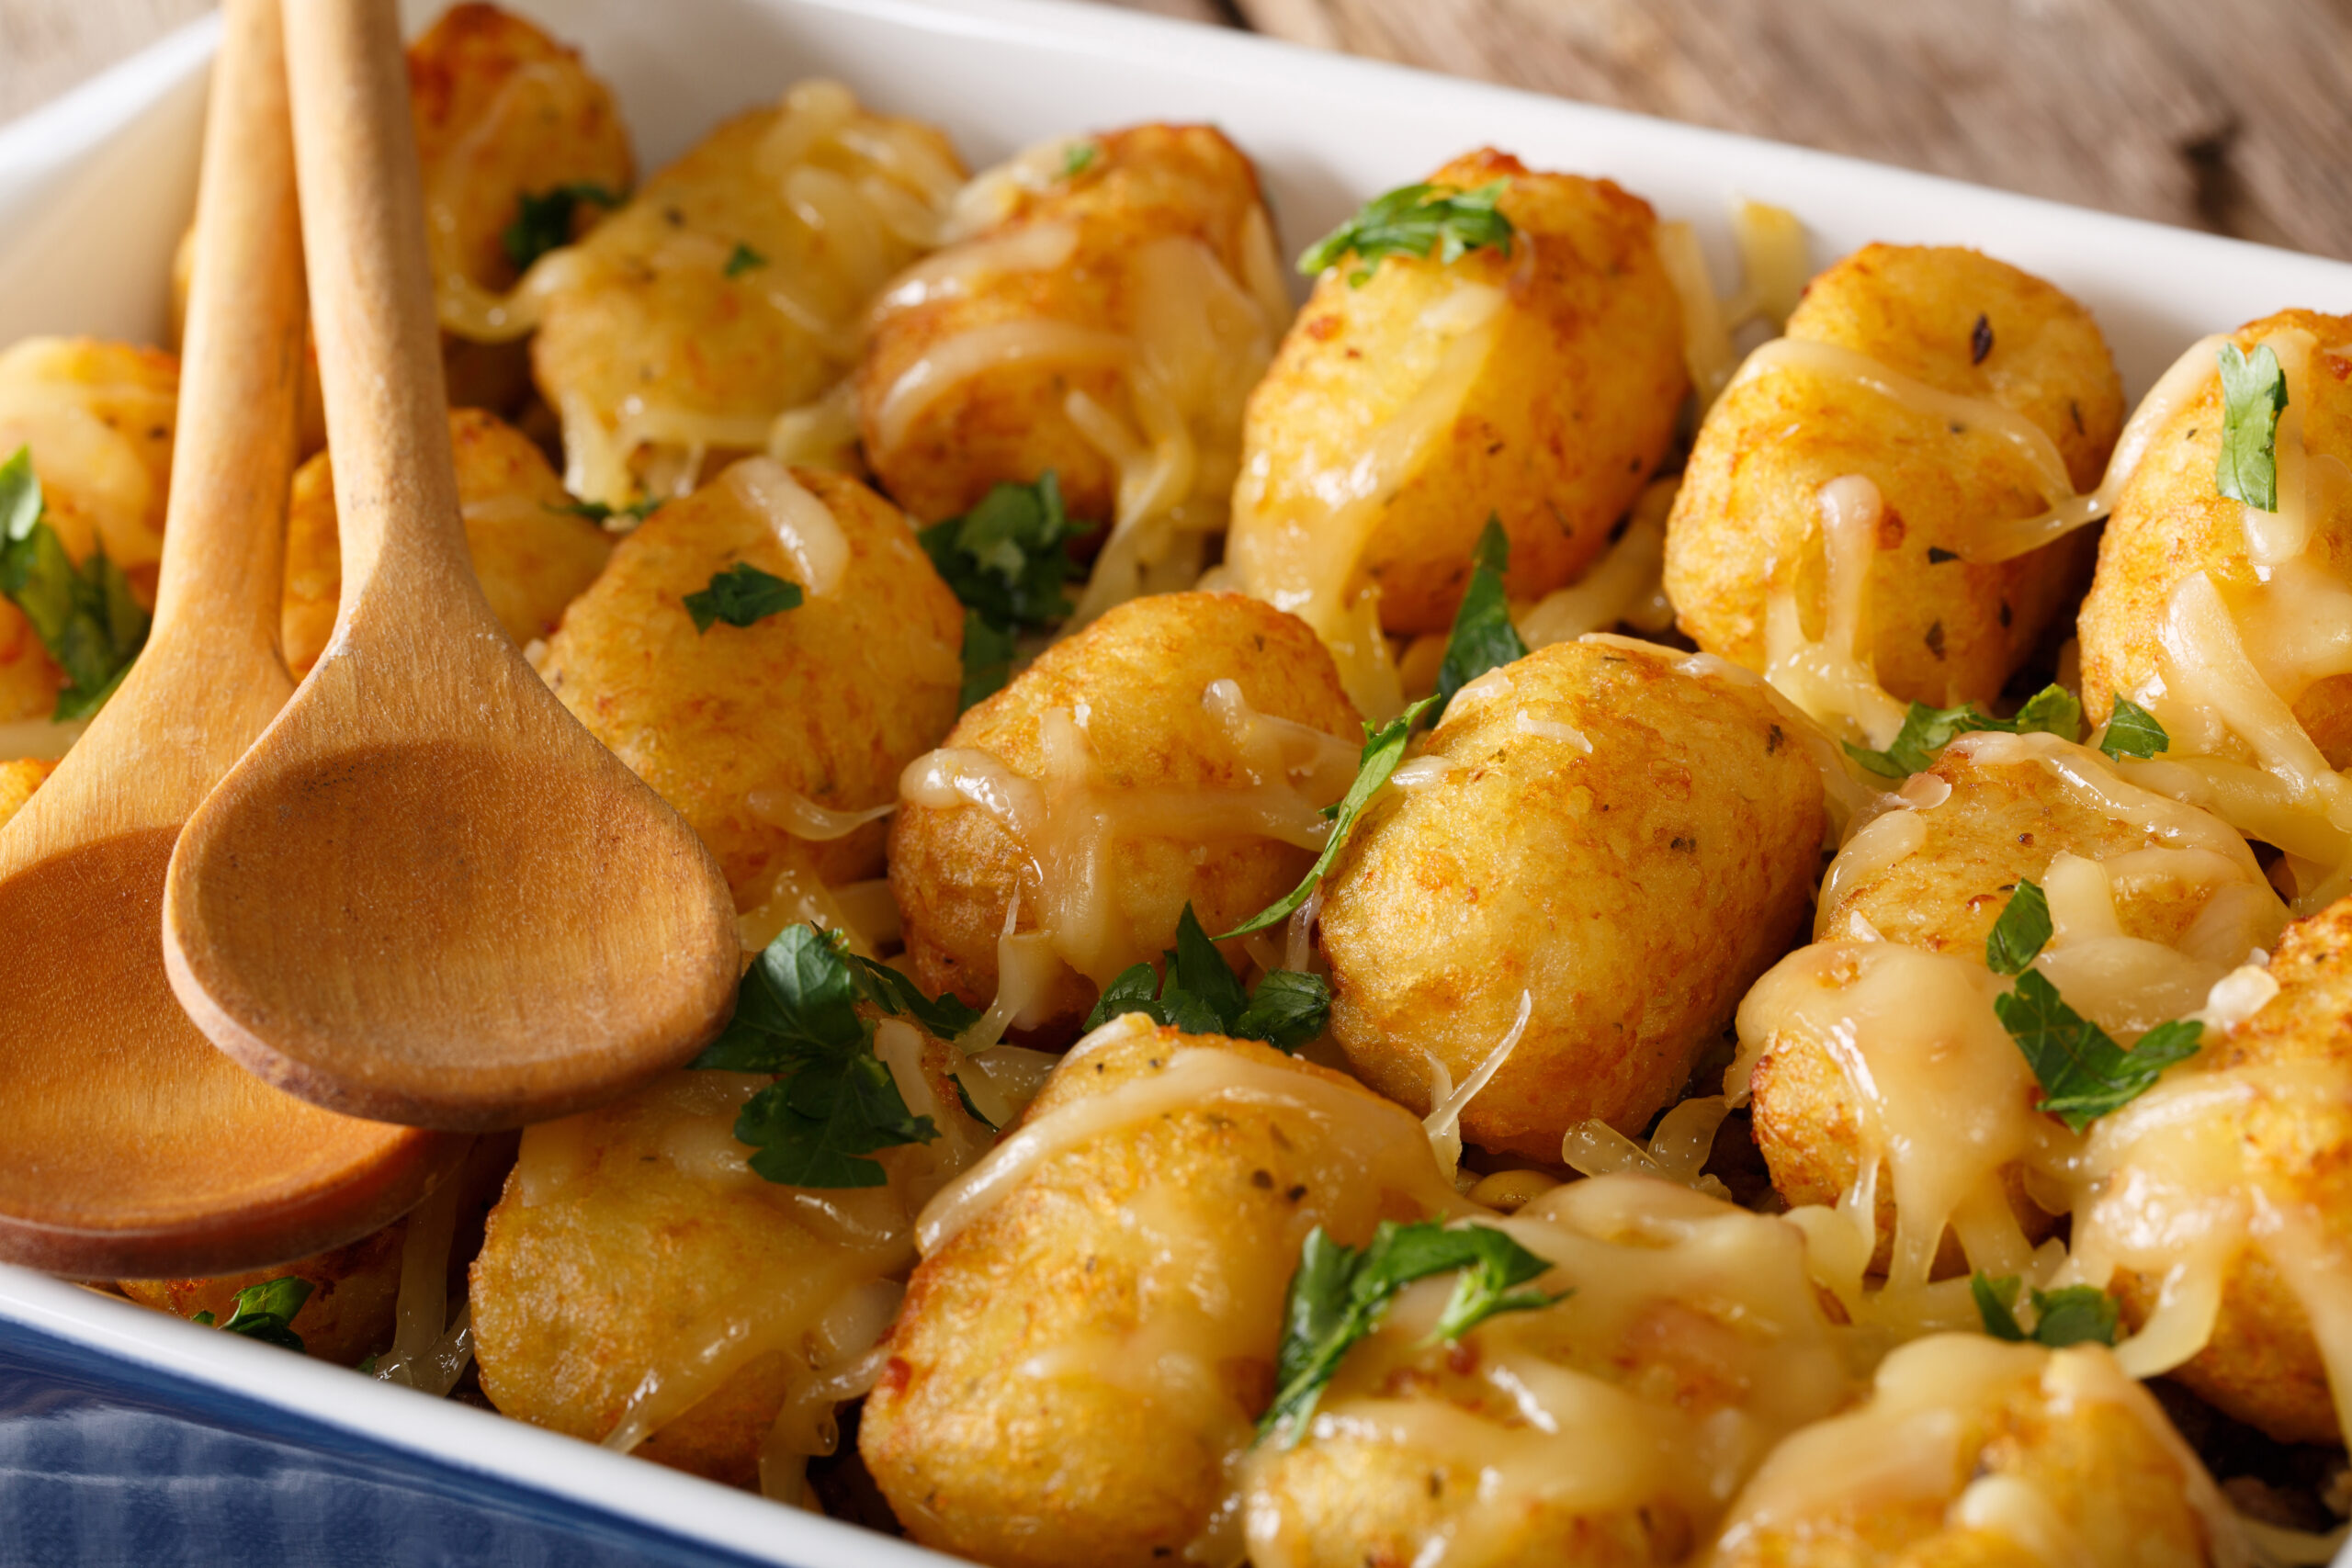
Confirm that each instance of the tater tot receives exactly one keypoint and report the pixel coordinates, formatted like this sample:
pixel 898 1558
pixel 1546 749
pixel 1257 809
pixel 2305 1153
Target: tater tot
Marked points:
pixel 98 419
pixel 637 1271
pixel 1091 1334
pixel 1971 1453
pixel 729 291
pixel 1934 873
pixel 18 778
pixel 1539 387
pixel 1177 750
pixel 1072 262
pixel 532 552
pixel 347 1318
pixel 1569 1434
pixel 757 734
pixel 1935 625
pixel 2172 523
pixel 1597 829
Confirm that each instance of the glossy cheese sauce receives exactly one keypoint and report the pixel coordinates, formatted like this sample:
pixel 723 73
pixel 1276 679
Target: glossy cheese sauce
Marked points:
pixel 1831 677
pixel 1923 1441
pixel 1691 1343
pixel 1300 548
pixel 873 205
pixel 1069 821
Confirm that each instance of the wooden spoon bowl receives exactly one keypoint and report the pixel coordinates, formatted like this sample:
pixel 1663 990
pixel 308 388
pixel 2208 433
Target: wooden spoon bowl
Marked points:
pixel 426 894
pixel 128 1146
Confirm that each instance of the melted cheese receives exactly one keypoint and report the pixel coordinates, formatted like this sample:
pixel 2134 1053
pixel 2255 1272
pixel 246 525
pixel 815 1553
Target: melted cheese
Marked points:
pixel 1690 1344
pixel 1832 677
pixel 1774 264
pixel 1624 584
pixel 1305 556
pixel 1677 1151
pixel 1917 1441
pixel 1069 821
pixel 429 1353
pixel 803 525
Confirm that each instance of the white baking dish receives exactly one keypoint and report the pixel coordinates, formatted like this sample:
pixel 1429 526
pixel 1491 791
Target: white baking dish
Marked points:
pixel 96 188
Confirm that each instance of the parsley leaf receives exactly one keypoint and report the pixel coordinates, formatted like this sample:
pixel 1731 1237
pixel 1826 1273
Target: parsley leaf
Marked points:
pixel 834 1101
pixel 1077 160
pixel 1926 731
pixel 1201 995
pixel 262 1311
pixel 1483 637
pixel 1414 220
pixel 988 661
pixel 2084 1073
pixel 1339 1294
pixel 84 616
pixel 543 222
pixel 1383 747
pixel 2075 1314
pixel 1009 557
pixel 742 595
pixel 945 1016
pixel 2253 394
pixel 740 260
pixel 2021 933
pixel 600 512
pixel 2133 731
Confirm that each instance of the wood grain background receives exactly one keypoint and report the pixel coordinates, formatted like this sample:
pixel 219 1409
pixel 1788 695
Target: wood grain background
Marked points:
pixel 2229 115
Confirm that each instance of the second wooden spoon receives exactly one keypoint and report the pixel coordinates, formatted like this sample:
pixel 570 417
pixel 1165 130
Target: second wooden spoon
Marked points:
pixel 426 894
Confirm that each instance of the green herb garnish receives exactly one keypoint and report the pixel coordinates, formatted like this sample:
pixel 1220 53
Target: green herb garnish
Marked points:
pixel 1339 1295
pixel 1009 557
pixel 84 616
pixel 2084 1073
pixel 543 222
pixel 1200 994
pixel 2253 394
pixel 2133 731
pixel 834 1101
pixel 1383 747
pixel 263 1312
pixel 1077 159
pixel 1483 637
pixel 987 660
pixel 740 260
pixel 1926 731
pixel 602 512
pixel 2076 1314
pixel 1415 221
pixel 742 595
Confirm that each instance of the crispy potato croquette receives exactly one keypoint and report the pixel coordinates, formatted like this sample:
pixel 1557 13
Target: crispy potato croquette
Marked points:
pixel 2172 523
pixel 1681 1318
pixel 638 1270
pixel 728 290
pixel 1553 422
pixel 1065 261
pixel 754 732
pixel 1937 627
pixel 1595 828
pixel 18 778
pixel 1178 751
pixel 533 553
pixel 98 419
pixel 1078 1363
pixel 1976 1454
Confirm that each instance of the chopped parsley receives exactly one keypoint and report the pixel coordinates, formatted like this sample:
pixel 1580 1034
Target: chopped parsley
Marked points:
pixel 2076 1314
pixel 987 660
pixel 543 221
pixel 1926 731
pixel 834 1102
pixel 740 260
pixel 1415 221
pixel 1383 747
pixel 2133 731
pixel 1339 1295
pixel 741 595
pixel 603 512
pixel 1483 637
pixel 1078 158
pixel 2084 1073
pixel 2253 394
pixel 263 1312
pixel 1201 995
pixel 1007 561
pixel 84 616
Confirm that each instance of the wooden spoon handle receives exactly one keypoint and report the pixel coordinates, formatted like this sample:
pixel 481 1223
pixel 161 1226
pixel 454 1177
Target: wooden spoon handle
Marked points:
pixel 223 553
pixel 371 298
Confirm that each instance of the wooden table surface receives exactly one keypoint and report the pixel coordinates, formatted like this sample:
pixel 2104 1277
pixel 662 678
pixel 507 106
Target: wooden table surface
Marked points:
pixel 2229 115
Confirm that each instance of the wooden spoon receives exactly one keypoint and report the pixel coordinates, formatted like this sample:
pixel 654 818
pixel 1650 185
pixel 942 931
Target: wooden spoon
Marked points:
pixel 426 894
pixel 128 1146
